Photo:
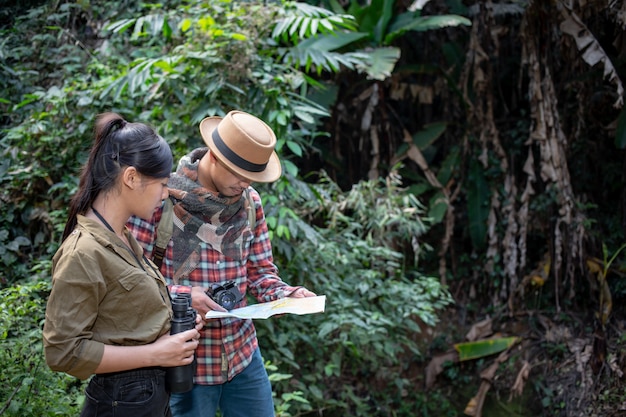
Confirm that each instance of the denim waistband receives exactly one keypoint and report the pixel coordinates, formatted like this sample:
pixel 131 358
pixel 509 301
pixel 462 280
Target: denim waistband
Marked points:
pixel 157 371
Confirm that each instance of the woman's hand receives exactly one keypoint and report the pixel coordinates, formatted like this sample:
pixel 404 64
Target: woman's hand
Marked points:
pixel 177 349
pixel 168 350
pixel 199 322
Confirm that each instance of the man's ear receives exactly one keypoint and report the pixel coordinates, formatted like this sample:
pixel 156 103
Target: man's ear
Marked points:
pixel 130 177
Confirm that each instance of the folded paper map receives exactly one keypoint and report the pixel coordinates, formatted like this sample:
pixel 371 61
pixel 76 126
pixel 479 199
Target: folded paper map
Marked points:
pixel 288 305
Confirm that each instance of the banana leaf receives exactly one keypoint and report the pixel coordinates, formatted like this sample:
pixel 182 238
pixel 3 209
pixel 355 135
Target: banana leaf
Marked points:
pixel 486 347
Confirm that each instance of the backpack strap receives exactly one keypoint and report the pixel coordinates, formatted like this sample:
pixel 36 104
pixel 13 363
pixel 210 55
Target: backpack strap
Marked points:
pixel 251 211
pixel 165 228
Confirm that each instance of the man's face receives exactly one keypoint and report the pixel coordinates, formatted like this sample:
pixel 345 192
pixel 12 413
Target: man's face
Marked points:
pixel 228 183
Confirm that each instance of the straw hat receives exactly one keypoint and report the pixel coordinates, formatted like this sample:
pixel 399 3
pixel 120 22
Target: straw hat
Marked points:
pixel 244 143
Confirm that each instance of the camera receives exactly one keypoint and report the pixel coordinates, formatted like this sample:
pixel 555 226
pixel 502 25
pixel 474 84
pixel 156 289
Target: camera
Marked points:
pixel 180 378
pixel 226 295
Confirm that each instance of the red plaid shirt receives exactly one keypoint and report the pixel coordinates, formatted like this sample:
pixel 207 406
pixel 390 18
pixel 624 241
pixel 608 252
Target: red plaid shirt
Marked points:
pixel 226 345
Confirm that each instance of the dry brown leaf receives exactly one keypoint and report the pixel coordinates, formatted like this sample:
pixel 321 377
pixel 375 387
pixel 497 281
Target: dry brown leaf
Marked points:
pixel 591 50
pixel 490 372
pixel 435 366
pixel 480 330
pixel 470 408
pixel 474 407
pixel 520 380
pixel 558 334
pixel 612 360
pixel 373 172
pixel 416 155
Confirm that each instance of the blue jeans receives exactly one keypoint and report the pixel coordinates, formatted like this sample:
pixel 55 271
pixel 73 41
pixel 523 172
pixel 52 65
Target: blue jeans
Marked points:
pixel 249 394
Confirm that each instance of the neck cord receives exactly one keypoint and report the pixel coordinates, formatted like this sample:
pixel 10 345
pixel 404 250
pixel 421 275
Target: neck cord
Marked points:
pixel 102 219
pixel 108 226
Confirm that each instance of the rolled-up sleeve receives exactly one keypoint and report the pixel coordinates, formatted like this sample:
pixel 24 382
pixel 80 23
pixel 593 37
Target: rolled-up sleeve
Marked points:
pixel 70 315
pixel 262 276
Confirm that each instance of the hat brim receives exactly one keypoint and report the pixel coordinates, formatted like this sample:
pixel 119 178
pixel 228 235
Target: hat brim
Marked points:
pixel 272 171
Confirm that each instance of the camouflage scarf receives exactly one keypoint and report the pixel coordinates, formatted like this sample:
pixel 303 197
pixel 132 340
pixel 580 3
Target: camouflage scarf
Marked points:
pixel 200 215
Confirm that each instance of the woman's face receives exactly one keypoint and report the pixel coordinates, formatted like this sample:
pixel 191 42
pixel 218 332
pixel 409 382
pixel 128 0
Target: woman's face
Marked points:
pixel 150 196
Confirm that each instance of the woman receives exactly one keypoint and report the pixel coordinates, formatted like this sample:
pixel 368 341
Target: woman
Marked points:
pixel 109 310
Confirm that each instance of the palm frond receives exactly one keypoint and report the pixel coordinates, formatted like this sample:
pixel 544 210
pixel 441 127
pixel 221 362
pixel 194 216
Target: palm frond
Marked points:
pixel 304 21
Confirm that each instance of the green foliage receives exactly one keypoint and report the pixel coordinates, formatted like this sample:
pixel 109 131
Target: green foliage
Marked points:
pixel 283 404
pixel 481 348
pixel 220 56
pixel 359 38
pixel 170 64
pixel 376 305
pixel 415 402
pixel 27 386
pixel 315 37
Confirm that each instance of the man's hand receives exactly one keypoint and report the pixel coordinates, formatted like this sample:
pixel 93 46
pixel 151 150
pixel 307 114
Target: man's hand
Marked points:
pixel 202 303
pixel 301 293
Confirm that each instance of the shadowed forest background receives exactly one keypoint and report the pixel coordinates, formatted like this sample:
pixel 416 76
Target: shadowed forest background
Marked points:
pixel 454 184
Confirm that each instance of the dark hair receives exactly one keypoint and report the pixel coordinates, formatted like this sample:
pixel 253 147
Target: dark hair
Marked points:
pixel 118 144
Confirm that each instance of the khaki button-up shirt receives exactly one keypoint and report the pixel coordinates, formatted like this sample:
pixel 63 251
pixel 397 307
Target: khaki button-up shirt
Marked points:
pixel 102 294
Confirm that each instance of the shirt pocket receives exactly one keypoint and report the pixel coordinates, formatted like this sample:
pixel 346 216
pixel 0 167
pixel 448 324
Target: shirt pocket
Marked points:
pixel 134 310
pixel 130 281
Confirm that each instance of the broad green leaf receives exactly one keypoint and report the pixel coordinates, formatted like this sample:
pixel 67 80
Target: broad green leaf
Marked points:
pixel 481 348
pixel 290 168
pixel 167 30
pixel 121 25
pixel 382 62
pixel 332 42
pixel 155 24
pixel 116 87
pixel 314 26
pixel 429 134
pixel 437 207
pixel 448 166
pixel 383 21
pixel 282 118
pixel 206 23
pixel 294 26
pixel 165 65
pixel 185 25
pixel 295 148
pixel 304 27
pixel 326 24
pixel 138 29
pixel 303 115
pixel 408 21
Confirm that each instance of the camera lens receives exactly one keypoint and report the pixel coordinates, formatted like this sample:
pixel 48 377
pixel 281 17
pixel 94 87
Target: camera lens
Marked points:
pixel 228 300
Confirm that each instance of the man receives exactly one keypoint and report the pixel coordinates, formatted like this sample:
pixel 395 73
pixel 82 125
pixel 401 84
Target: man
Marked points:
pixel 220 236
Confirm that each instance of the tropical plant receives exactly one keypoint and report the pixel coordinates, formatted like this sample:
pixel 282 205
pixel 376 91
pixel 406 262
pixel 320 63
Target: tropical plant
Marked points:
pixel 29 388
pixel 227 48
pixel 170 65
pixel 362 255
pixel 357 39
